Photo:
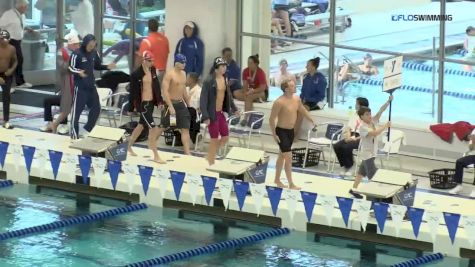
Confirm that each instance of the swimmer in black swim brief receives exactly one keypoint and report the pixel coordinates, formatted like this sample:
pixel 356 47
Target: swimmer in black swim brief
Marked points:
pixel 286 137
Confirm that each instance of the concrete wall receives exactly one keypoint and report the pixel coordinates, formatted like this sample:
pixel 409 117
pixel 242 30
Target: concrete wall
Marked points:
pixel 215 18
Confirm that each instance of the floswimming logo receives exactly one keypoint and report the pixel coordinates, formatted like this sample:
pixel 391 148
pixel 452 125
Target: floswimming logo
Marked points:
pixel 401 17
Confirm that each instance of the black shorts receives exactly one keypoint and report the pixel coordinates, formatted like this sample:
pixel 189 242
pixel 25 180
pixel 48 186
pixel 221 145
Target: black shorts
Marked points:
pixel 146 115
pixel 183 117
pixel 286 137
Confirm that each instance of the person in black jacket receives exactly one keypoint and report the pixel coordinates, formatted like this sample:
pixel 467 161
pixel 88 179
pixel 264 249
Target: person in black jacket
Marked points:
pixel 144 95
pixel 216 98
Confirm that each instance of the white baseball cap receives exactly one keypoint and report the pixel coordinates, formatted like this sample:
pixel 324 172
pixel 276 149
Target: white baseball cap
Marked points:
pixel 72 38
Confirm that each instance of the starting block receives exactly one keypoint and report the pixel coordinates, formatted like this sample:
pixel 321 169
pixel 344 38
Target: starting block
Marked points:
pixel 242 164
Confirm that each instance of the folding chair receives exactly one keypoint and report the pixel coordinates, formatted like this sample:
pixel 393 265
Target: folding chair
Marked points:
pixel 332 135
pixel 255 121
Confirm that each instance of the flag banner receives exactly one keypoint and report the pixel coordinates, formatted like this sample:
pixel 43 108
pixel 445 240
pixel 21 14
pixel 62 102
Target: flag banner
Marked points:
pixel 28 153
pixel 177 180
pixel 99 165
pixel 145 175
pixel 309 200
pixel 114 170
pixel 397 215
pixel 452 221
pixel 163 176
pixel 241 188
pixel 345 205
pixel 258 192
pixel 468 223
pixel 209 183
pixel 433 220
pixel 3 153
pixel 415 215
pixel 225 187
pixel 291 198
pixel 85 166
pixel 274 194
pixel 381 214
pixel 55 160
pixel 130 173
pixel 194 183
pixel 328 205
pixel 363 208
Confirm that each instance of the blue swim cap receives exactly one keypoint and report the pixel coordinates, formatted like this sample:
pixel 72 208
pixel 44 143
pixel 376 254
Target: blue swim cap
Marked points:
pixel 180 58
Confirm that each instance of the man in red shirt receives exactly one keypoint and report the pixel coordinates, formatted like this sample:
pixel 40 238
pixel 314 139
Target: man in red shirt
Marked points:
pixel 157 43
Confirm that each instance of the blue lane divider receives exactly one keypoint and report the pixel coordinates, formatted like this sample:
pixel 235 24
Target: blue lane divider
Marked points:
pixel 213 248
pixel 6 183
pixel 420 260
pixel 417 89
pixel 423 67
pixel 72 221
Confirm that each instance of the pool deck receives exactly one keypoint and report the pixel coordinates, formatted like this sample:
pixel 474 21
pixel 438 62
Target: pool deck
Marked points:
pixel 323 185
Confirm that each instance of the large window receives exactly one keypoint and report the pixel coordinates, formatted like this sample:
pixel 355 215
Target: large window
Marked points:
pixel 117 28
pixel 367 33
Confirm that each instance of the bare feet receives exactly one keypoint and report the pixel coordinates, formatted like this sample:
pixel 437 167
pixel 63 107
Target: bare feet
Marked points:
pixel 294 187
pixel 131 152
pixel 53 127
pixel 159 161
pixel 280 184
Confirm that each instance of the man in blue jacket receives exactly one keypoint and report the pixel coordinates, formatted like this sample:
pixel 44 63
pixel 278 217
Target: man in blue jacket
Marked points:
pixel 82 64
pixel 192 48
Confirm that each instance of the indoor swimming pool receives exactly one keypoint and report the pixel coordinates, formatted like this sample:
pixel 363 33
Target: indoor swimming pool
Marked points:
pixel 420 99
pixel 156 232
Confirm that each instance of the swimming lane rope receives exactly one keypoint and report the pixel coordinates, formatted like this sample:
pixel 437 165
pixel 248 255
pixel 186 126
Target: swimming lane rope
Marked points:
pixel 72 221
pixel 420 260
pixel 6 183
pixel 213 248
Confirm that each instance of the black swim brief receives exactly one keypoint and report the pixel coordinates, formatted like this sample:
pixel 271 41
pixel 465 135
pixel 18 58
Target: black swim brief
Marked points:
pixel 286 137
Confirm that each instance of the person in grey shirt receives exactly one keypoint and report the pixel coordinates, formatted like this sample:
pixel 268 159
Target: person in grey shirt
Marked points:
pixel 369 132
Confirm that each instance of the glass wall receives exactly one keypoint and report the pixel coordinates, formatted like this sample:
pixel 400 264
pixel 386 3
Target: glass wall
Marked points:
pixel 117 30
pixel 366 34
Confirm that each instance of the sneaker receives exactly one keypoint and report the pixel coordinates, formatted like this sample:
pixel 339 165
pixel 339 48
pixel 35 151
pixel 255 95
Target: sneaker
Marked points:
pixel 456 189
pixel 45 128
pixel 24 85
pixel 12 90
pixel 243 123
pixel 472 194
pixel 355 195
pixel 7 126
pixel 63 129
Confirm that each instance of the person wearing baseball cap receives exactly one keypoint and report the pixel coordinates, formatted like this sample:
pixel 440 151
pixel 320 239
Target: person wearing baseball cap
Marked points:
pixel 144 96
pixel 64 82
pixel 192 48
pixel 8 64
pixel 216 99
pixel 175 114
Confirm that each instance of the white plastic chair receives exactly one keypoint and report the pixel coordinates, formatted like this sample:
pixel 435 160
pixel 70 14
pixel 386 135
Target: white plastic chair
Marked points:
pixel 332 135
pixel 391 147
pixel 255 121
pixel 105 98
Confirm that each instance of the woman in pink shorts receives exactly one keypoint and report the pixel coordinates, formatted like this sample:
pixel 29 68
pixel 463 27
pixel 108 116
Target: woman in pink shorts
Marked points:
pixel 215 100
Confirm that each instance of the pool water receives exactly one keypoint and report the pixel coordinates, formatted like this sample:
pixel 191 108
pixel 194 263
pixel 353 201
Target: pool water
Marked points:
pixel 156 232
pixel 409 104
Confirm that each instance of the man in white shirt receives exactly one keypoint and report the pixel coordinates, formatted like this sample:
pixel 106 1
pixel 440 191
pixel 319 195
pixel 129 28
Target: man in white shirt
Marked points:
pixel 13 21
pixel 463 162
pixel 369 132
